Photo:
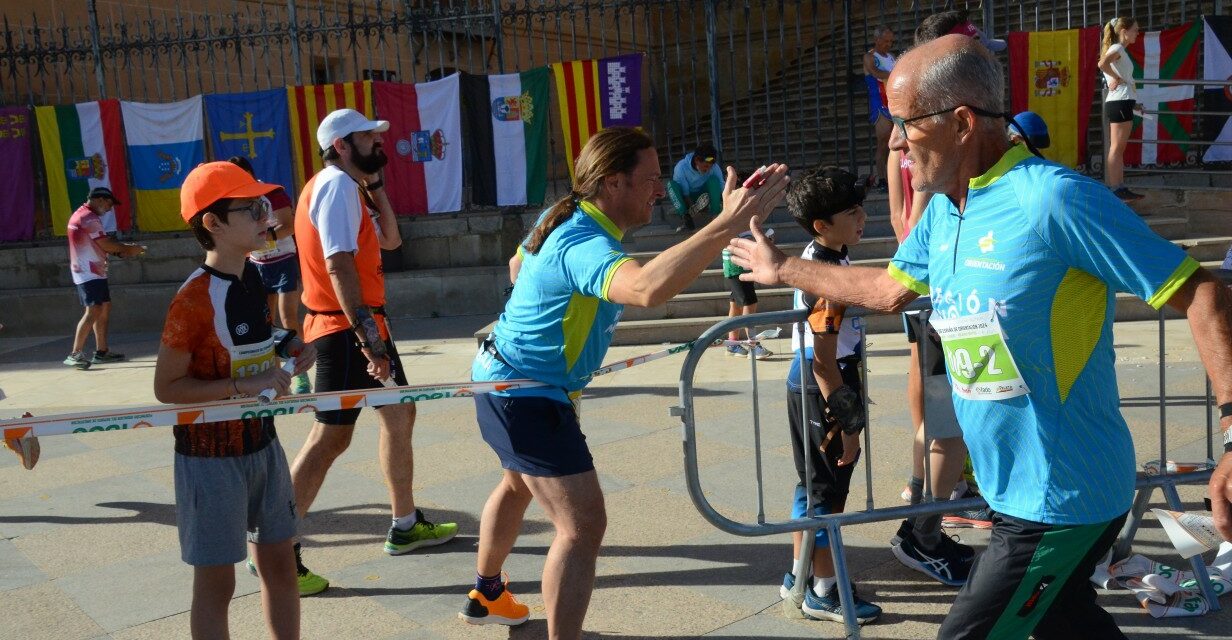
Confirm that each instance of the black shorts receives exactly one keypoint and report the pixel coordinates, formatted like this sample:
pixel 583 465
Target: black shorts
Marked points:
pixel 341 366
pixel 533 435
pixel 830 482
pixel 742 292
pixel 936 359
pixel 1119 110
pixel 1035 578
pixel 93 292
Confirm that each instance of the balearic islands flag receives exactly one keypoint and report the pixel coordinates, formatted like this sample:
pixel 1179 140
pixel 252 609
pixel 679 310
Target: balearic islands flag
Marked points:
pixel 83 148
pixel 596 94
pixel 424 144
pixel 1171 54
pixel 1053 74
pixel 1217 67
pixel 506 123
pixel 17 173
pixel 308 105
pixel 255 126
pixel 165 142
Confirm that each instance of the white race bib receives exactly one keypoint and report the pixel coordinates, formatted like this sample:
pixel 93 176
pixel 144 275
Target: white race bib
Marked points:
pixel 980 364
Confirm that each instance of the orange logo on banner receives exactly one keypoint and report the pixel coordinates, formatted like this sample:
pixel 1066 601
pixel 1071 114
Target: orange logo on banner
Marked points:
pixel 14 433
pixel 190 417
pixel 350 402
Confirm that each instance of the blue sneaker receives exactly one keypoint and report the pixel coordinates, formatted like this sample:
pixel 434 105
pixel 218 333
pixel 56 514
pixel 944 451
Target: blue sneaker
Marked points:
pixel 829 608
pixel 732 350
pixel 789 582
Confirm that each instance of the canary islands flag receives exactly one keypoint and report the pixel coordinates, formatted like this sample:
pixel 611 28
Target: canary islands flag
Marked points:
pixel 1053 74
pixel 255 126
pixel 165 142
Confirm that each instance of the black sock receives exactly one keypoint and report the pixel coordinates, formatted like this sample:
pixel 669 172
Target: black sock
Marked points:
pixel 491 588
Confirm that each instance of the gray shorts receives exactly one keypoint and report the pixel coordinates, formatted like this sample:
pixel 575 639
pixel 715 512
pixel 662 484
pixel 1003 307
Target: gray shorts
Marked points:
pixel 939 408
pixel 223 502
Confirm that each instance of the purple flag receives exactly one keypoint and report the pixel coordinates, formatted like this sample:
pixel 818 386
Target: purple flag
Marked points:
pixel 17 172
pixel 620 90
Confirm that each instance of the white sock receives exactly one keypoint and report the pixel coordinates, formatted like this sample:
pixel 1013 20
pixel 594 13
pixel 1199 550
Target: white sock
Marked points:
pixel 959 489
pixel 407 521
pixel 821 586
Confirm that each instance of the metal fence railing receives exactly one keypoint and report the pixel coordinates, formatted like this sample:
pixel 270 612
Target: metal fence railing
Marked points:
pixel 833 523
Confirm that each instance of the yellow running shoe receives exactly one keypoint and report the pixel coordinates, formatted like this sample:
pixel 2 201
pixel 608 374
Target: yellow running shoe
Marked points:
pixel 310 583
pixel 505 609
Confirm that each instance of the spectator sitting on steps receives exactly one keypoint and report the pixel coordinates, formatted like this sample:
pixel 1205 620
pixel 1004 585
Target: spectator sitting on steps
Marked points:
pixel 696 185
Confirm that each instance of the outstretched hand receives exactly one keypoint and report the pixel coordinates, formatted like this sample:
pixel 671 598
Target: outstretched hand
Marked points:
pixel 741 205
pixel 759 256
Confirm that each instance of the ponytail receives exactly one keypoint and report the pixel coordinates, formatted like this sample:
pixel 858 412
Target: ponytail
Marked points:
pixel 1112 30
pixel 611 151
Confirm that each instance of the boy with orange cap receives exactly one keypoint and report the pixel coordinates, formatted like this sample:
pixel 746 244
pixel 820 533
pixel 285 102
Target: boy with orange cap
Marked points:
pixel 231 478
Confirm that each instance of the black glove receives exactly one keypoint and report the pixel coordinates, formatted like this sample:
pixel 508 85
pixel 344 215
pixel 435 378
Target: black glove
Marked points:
pixel 845 408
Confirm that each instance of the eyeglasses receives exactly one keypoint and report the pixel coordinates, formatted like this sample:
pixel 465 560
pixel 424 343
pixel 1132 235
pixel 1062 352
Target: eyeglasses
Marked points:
pixel 259 209
pixel 901 123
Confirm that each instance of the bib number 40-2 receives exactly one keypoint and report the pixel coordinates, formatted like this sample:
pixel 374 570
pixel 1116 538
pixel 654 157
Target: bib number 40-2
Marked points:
pixel 980 364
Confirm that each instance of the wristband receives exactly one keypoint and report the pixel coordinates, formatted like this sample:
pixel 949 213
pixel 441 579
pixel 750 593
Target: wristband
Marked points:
pixel 373 186
pixel 1225 410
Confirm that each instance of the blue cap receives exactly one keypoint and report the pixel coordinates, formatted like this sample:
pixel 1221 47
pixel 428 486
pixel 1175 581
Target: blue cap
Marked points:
pixel 1035 128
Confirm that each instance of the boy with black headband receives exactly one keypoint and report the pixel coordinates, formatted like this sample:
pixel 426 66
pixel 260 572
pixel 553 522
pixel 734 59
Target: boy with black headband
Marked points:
pixel 825 374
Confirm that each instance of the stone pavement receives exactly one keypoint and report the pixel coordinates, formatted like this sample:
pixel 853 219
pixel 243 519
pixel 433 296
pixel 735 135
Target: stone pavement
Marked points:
pixel 88 546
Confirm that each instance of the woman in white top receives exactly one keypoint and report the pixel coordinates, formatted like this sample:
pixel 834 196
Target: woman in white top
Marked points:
pixel 1119 104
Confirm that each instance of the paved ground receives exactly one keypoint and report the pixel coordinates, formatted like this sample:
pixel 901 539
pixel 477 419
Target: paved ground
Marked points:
pixel 88 546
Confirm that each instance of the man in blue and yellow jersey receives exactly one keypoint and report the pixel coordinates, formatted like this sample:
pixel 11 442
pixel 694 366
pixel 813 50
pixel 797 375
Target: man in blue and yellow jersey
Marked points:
pixel 1023 258
pixel 571 287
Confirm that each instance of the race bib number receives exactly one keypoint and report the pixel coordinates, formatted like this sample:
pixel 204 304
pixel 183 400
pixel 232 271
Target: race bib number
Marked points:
pixel 251 359
pixel 981 366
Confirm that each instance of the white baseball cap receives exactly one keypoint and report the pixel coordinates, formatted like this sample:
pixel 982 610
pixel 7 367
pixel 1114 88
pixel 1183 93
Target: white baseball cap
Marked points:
pixel 344 122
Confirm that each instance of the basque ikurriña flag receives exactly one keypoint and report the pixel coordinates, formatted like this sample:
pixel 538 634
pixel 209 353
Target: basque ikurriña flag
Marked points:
pixel 1053 74
pixel 165 142
pixel 255 126
pixel 507 125
pixel 83 148
pixel 1171 54
pixel 1217 67
pixel 596 94
pixel 17 173
pixel 307 106
pixel 424 144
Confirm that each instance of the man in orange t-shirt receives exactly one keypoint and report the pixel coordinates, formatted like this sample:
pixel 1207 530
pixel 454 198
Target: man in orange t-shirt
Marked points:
pixel 342 222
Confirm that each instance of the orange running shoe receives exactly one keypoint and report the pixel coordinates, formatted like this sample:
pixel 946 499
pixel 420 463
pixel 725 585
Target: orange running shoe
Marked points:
pixel 505 609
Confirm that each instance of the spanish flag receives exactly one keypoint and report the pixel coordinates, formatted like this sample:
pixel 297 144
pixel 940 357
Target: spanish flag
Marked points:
pixel 1053 74
pixel 596 94
pixel 309 105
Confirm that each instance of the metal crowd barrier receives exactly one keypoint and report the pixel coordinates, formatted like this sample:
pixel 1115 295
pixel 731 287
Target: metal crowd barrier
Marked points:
pixel 1194 162
pixel 832 523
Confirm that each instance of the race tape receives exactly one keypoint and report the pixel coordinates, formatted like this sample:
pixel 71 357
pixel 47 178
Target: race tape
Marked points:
pixel 166 415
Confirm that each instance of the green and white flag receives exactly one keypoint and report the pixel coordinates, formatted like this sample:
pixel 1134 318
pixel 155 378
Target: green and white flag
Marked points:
pixel 507 117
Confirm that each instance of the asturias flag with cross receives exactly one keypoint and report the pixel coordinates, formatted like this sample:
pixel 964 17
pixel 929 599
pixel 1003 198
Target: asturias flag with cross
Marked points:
pixel 253 125
pixel 1171 54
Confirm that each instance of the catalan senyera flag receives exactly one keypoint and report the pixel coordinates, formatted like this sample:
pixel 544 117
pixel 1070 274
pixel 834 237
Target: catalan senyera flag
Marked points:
pixel 596 94
pixel 1171 54
pixel 83 148
pixel 1053 74
pixel 165 141
pixel 308 105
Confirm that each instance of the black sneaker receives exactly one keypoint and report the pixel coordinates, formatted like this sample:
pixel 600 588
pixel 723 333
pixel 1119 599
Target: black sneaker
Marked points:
pixel 104 357
pixel 1126 195
pixel 945 564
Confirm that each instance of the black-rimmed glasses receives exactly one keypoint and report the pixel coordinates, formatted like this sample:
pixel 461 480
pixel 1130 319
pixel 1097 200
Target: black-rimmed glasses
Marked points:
pixel 901 123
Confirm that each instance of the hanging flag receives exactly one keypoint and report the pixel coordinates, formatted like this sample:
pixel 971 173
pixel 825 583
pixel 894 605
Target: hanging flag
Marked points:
pixel 596 94
pixel 1217 67
pixel 83 148
pixel 165 142
pixel 255 126
pixel 507 125
pixel 1171 54
pixel 17 171
pixel 307 106
pixel 424 174
pixel 1053 74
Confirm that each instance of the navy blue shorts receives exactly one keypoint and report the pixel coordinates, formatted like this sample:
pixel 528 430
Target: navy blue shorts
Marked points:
pixel 533 436
pixel 281 276
pixel 93 292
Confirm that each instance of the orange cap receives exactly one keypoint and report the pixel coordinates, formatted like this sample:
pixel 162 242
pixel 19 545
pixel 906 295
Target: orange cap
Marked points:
pixel 213 181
